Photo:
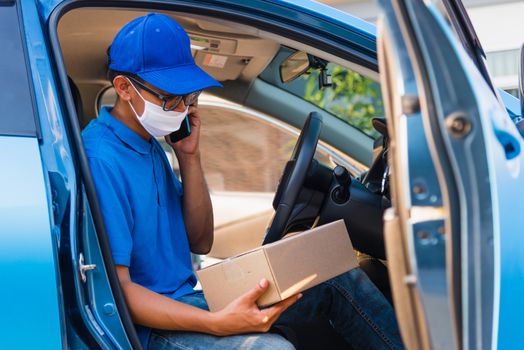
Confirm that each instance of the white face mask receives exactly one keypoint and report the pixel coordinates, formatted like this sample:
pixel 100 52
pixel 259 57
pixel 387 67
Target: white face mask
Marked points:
pixel 156 121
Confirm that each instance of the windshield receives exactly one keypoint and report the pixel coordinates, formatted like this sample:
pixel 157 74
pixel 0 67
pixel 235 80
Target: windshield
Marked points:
pixel 353 98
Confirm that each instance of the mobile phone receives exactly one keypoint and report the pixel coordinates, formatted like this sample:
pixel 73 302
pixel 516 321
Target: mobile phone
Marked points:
pixel 183 132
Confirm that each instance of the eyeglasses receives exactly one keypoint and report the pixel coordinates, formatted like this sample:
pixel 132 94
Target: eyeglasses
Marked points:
pixel 169 102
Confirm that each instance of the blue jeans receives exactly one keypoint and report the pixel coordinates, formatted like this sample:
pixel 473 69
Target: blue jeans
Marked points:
pixel 354 306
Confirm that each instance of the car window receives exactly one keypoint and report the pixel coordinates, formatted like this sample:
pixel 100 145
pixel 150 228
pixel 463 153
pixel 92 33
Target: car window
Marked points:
pixel 353 98
pixel 18 118
pixel 244 153
pixel 243 150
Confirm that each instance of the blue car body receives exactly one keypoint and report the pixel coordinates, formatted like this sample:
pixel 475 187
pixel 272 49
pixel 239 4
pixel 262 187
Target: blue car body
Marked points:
pixel 45 217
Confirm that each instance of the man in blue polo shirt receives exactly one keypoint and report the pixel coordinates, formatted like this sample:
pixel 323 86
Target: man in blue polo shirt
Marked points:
pixel 154 221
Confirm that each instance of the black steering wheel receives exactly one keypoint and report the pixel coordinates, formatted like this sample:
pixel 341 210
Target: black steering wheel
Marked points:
pixel 293 177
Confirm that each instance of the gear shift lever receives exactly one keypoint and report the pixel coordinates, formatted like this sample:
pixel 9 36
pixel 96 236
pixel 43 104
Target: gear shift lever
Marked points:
pixel 341 192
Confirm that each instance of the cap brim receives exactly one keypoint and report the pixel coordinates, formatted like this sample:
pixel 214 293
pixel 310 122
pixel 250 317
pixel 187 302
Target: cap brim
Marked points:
pixel 180 80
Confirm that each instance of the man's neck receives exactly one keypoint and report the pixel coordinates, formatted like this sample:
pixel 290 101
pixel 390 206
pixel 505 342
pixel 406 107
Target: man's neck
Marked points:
pixel 126 116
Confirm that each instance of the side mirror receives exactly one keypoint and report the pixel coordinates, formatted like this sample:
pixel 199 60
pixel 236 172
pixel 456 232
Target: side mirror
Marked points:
pixel 294 66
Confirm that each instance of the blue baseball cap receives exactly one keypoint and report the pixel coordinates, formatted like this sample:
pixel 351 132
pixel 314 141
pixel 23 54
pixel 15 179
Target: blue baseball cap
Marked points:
pixel 158 50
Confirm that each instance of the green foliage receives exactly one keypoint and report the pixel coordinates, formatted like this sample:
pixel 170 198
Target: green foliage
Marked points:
pixel 353 98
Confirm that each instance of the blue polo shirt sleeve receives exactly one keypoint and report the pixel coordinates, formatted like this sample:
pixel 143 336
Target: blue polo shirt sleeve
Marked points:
pixel 115 208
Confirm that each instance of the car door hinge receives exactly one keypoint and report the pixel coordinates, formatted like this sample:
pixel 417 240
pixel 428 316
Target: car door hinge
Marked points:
pixel 84 268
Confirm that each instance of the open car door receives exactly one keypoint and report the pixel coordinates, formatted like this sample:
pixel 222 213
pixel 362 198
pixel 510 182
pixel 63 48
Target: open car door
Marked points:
pixel 453 235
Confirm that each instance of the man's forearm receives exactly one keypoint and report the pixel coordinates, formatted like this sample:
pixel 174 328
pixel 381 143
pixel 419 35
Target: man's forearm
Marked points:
pixel 242 315
pixel 154 310
pixel 198 211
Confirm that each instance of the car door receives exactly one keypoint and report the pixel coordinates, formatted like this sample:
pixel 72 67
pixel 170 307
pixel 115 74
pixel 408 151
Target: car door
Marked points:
pixel 94 300
pixel 456 157
pixel 30 296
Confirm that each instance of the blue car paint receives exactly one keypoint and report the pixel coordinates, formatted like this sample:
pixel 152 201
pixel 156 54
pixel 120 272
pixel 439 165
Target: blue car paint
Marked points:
pixel 330 14
pixel 57 156
pixel 29 296
pixel 54 148
pixel 507 190
pixel 512 104
pixel 103 306
pixel 506 179
pixel 496 226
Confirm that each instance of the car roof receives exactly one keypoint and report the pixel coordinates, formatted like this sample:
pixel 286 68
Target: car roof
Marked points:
pixel 330 14
pixel 345 21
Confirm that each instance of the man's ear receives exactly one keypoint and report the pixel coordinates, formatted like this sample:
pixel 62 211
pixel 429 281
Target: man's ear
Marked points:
pixel 122 87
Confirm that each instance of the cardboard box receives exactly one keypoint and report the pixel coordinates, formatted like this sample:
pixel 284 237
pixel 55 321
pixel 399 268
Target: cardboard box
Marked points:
pixel 291 265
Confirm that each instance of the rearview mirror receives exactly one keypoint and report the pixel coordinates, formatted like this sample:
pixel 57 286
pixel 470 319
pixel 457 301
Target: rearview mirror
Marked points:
pixel 294 66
